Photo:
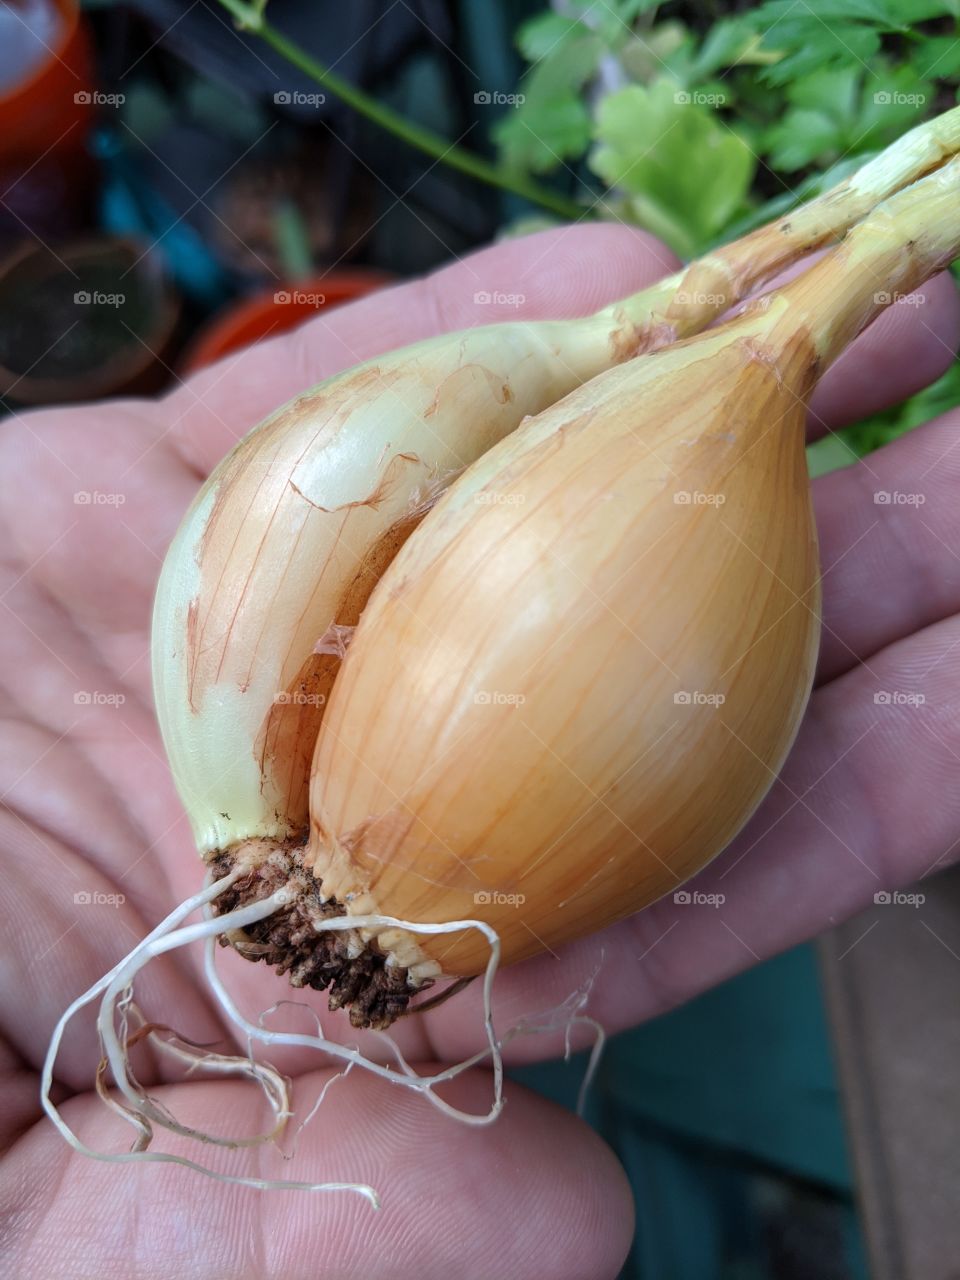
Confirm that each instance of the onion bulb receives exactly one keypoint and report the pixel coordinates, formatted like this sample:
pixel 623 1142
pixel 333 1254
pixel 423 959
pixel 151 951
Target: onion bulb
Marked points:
pixel 277 556
pixel 582 673
pixel 441 686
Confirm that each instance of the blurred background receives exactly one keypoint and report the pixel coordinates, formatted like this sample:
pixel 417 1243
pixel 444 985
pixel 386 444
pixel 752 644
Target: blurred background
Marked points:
pixel 179 180
pixel 202 190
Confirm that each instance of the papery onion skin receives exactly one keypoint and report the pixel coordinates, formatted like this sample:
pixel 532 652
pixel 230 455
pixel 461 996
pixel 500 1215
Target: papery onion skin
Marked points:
pixel 292 529
pixel 529 725
pixel 582 673
pixel 277 544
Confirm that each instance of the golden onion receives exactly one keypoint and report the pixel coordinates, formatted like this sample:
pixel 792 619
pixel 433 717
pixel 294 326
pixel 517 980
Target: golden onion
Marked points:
pixel 583 671
pixel 573 677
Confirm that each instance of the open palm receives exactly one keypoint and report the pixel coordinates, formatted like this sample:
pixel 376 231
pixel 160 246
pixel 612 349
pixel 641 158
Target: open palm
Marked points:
pixel 96 848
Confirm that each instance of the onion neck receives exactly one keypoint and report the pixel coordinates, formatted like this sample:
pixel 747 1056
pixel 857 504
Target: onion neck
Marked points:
pixel 897 248
pixel 687 301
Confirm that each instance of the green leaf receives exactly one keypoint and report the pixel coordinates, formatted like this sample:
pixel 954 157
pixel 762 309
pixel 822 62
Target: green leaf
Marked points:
pixel 819 46
pixel 938 56
pixel 835 91
pixel 845 111
pixel 894 99
pixel 614 19
pixel 542 35
pixel 624 11
pixel 817 33
pixel 668 48
pixel 802 137
pixel 890 15
pixel 723 45
pixel 552 124
pixel 686 172
pixel 540 140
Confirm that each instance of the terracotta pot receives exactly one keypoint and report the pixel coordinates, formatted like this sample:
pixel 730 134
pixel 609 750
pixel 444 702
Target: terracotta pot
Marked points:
pixel 267 314
pixel 49 108
pixel 46 111
pixel 93 319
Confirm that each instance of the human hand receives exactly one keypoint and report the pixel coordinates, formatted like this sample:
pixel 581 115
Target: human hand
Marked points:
pixel 867 800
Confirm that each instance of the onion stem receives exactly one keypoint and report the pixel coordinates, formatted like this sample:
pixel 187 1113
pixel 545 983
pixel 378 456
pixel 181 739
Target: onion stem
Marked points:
pixel 691 298
pixel 903 242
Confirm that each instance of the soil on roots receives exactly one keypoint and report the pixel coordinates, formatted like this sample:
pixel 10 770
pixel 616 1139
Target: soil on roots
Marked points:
pixel 293 941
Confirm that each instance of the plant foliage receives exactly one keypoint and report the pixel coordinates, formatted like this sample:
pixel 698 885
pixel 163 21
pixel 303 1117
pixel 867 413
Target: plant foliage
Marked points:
pixel 698 127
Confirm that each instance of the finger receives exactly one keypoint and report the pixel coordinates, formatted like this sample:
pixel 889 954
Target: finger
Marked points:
pixel 535 1194
pixel 105 497
pixel 906 348
pixel 869 800
pixel 570 271
pixel 73 915
pixel 890 544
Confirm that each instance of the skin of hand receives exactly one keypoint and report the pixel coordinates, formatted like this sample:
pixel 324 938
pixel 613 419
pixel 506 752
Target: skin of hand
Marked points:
pixel 869 800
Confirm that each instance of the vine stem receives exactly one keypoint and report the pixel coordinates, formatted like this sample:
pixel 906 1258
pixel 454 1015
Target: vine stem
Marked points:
pixel 250 17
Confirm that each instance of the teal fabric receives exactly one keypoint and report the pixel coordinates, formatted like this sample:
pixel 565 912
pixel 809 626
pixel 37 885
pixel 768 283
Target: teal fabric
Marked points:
pixel 726 1115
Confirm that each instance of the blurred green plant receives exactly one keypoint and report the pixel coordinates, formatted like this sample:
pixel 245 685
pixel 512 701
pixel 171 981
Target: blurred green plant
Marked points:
pixel 703 121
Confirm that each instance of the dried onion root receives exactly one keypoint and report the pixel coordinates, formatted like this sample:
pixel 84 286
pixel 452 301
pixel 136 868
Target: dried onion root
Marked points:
pixel 144 1112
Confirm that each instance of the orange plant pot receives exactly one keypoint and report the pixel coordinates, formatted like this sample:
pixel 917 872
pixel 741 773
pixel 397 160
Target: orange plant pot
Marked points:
pixel 50 109
pixel 267 314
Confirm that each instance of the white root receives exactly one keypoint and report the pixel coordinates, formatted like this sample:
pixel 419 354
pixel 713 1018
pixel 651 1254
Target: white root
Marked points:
pixel 292 1141
pixel 147 948
pixel 568 1015
pixel 405 1075
pixel 139 1109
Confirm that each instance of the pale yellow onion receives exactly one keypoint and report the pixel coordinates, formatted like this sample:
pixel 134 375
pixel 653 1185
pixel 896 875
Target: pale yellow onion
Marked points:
pixel 267 872
pixel 528 727
pixel 290 532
